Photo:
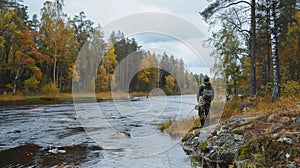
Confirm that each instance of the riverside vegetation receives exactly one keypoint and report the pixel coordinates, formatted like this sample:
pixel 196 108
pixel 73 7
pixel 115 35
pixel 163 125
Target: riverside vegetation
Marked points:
pixel 266 134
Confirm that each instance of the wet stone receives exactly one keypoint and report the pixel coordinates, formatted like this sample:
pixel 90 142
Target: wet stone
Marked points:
pixel 285 140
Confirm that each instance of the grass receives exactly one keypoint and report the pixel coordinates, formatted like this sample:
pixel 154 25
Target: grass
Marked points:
pixel 21 99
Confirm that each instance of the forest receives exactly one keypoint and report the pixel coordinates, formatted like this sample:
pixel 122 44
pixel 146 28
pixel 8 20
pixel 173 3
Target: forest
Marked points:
pixel 38 55
pixel 257 47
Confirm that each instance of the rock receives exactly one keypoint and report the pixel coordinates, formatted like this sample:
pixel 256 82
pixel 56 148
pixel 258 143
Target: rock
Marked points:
pixel 291 165
pixel 296 119
pixel 240 141
pixel 56 151
pixel 222 131
pixel 238 137
pixel 285 140
pixel 275 135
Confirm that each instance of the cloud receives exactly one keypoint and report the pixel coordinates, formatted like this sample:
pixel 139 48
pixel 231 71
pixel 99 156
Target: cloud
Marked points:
pixel 196 60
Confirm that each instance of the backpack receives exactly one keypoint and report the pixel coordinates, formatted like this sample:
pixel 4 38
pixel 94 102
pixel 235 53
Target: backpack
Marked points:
pixel 207 94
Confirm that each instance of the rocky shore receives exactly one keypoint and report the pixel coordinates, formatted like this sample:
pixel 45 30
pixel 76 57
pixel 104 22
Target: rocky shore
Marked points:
pixel 268 140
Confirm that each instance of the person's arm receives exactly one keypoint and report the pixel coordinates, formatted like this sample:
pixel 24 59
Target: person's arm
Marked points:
pixel 199 92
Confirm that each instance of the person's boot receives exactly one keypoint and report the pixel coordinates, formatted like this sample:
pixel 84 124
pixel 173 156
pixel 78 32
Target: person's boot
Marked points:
pixel 202 123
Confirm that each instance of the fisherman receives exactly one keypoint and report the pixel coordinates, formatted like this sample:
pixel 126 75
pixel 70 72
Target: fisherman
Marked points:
pixel 204 98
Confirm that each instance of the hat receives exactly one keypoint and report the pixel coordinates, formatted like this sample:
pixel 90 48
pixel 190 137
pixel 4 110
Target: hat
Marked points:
pixel 206 78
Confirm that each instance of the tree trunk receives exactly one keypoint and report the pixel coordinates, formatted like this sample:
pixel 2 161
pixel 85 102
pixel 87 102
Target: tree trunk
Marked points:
pixel 275 59
pixel 252 53
pixel 235 87
pixel 269 54
pixel 18 75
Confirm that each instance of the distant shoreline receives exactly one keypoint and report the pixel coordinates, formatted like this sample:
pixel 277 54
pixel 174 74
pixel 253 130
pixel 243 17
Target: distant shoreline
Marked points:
pixel 64 98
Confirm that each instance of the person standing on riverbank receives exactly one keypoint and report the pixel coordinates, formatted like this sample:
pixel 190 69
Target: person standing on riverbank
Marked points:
pixel 204 98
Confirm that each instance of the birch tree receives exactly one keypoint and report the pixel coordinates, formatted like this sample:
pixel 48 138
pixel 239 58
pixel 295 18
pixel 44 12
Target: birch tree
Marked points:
pixel 275 58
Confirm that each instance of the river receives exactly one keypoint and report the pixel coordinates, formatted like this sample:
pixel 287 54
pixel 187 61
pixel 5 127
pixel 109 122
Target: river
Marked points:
pixel 119 133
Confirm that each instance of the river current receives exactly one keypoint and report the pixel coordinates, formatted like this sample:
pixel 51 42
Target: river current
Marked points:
pixel 119 133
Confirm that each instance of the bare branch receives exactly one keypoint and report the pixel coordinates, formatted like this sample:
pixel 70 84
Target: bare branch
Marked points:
pixel 239 20
pixel 235 3
pixel 215 7
pixel 238 27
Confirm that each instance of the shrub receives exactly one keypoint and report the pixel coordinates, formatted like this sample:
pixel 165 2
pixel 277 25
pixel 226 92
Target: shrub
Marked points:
pixel 231 108
pixel 49 90
pixel 31 85
pixel 291 89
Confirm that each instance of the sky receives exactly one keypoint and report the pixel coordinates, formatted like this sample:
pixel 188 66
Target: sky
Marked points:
pixel 171 26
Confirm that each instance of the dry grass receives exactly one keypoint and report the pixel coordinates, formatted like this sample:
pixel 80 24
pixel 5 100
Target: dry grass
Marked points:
pixel 262 105
pixel 10 96
pixel 102 95
pixel 180 128
pixel 279 121
pixel 273 113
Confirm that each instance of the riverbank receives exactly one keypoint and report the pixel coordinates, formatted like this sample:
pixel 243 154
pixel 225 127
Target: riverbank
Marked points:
pixel 266 138
pixel 11 99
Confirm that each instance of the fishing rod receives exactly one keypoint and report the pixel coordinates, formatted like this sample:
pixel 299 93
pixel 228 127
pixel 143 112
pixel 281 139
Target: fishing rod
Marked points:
pixel 194 108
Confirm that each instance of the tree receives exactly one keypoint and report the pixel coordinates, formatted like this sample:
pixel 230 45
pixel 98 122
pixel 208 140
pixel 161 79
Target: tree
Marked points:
pixel 165 69
pixel 51 31
pixel 110 63
pixel 102 81
pixel 290 53
pixel 149 74
pixel 170 84
pixel 57 42
pixel 180 75
pixel 31 85
pixel 33 26
pixel 263 43
pixel 109 60
pixel 129 49
pixel 83 28
pixel 218 6
pixel 11 27
pixel 274 39
pixel 89 60
pixel 229 53
pixel 27 57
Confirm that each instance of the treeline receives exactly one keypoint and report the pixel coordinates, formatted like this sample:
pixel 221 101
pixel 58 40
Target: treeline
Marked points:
pixel 38 56
pixel 257 46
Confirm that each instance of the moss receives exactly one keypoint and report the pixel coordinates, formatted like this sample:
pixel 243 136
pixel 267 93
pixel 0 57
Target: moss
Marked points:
pixel 204 147
pixel 195 160
pixel 243 153
pixel 259 155
pixel 249 164
pixel 265 150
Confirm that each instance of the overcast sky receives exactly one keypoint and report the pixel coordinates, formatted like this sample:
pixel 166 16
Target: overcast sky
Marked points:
pixel 157 25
